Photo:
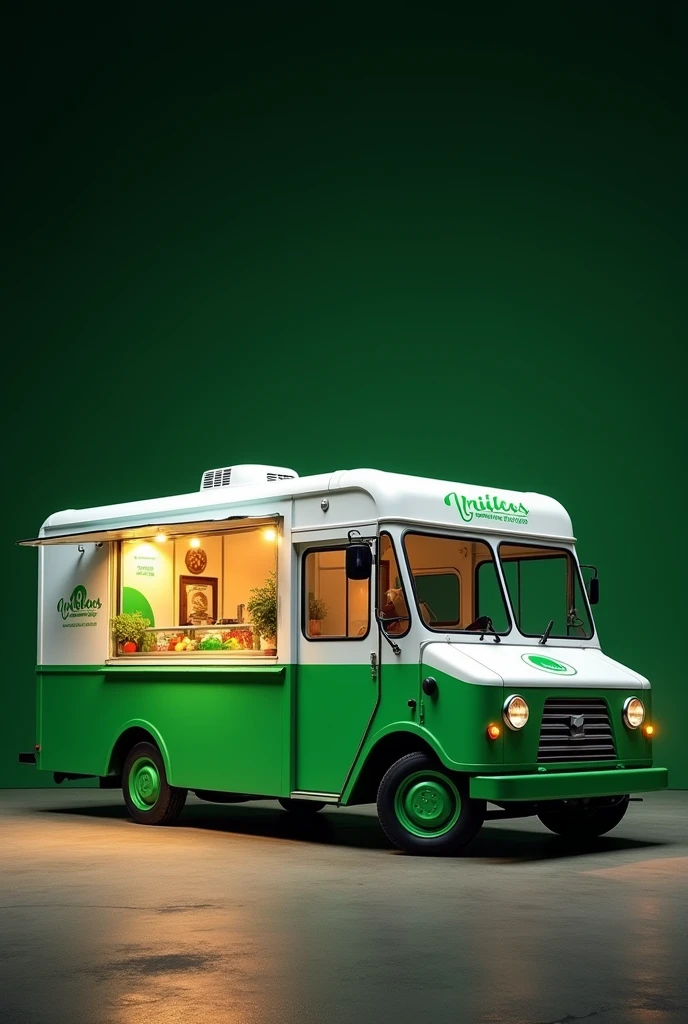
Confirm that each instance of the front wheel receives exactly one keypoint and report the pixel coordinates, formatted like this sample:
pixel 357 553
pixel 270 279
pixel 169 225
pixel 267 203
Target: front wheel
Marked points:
pixel 585 821
pixel 424 809
pixel 148 795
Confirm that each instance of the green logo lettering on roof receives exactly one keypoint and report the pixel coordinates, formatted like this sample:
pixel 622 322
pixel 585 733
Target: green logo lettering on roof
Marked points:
pixel 545 664
pixel 488 506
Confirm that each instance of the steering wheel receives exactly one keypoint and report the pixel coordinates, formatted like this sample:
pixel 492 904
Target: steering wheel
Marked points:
pixel 480 623
pixel 384 620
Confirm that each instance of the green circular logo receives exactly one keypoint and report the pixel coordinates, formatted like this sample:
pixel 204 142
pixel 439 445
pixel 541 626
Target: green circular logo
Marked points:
pixel 558 668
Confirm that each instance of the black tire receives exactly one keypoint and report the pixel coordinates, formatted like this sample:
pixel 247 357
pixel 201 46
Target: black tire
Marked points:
pixel 304 808
pixel 586 821
pixel 425 809
pixel 149 797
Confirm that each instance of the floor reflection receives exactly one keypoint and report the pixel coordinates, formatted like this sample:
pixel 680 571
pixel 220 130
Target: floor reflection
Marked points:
pixel 242 914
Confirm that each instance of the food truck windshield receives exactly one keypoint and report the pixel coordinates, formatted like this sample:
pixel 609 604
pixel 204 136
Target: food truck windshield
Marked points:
pixel 457 587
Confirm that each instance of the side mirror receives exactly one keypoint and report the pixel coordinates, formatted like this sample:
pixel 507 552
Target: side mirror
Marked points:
pixel 359 562
pixel 592 584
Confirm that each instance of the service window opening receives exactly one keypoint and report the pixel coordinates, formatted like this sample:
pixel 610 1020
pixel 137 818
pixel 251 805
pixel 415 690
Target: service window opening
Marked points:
pixel 212 592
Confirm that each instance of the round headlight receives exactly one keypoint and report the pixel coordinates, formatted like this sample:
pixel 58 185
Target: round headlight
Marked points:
pixel 633 712
pixel 515 712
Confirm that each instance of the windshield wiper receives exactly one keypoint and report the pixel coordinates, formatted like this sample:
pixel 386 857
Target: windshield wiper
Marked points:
pixel 545 636
pixel 489 628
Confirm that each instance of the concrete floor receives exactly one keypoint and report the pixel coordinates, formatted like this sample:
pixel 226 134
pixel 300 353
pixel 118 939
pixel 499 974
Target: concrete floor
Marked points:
pixel 238 916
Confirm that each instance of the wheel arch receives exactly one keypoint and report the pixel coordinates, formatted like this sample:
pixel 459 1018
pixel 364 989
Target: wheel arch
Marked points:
pixel 386 748
pixel 135 731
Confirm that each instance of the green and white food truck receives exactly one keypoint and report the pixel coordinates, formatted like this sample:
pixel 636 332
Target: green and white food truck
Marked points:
pixel 346 638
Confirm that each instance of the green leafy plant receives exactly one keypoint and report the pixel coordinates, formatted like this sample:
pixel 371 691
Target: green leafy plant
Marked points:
pixel 262 607
pixel 130 627
pixel 317 609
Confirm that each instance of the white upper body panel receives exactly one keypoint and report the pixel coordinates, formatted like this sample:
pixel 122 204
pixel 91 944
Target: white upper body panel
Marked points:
pixel 353 496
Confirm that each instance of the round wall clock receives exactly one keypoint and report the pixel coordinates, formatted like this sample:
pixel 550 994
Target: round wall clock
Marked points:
pixel 196 560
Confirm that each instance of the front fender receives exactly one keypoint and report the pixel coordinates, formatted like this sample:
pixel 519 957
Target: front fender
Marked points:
pixel 409 728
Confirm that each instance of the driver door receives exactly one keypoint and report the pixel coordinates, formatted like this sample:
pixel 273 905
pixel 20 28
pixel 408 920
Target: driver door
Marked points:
pixel 336 688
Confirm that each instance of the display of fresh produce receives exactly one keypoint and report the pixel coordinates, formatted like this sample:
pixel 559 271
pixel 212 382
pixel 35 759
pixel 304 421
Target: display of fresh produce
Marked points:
pixel 239 639
pixel 243 637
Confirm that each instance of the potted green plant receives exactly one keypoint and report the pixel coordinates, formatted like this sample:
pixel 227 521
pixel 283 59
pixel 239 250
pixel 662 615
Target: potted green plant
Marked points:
pixel 317 611
pixel 262 608
pixel 129 631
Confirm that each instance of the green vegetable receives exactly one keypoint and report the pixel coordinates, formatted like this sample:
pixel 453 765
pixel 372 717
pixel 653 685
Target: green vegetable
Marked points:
pixel 211 643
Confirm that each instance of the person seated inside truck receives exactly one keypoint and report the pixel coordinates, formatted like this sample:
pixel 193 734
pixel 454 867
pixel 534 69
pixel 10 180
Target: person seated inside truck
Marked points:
pixel 395 607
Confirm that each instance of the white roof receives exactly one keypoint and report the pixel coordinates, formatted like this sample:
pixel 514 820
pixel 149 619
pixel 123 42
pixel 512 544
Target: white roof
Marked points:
pixel 396 497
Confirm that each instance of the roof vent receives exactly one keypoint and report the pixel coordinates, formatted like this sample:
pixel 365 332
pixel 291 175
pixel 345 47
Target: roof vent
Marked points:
pixel 237 476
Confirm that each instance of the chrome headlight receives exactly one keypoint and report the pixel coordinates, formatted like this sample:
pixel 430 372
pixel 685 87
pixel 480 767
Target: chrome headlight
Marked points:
pixel 633 712
pixel 515 712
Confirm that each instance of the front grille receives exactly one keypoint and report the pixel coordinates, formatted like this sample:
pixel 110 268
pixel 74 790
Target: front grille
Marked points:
pixel 563 738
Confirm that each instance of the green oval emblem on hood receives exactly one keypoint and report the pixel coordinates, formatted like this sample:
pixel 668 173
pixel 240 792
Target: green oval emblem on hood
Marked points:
pixel 545 664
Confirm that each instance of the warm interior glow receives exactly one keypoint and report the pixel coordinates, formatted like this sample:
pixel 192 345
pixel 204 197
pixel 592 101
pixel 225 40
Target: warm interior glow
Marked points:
pixel 194 542
pixel 493 732
pixel 270 534
pixel 161 538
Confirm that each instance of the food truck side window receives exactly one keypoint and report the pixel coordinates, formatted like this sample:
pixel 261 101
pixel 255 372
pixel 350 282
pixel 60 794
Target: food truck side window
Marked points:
pixel 391 595
pixel 194 590
pixel 455 582
pixel 333 607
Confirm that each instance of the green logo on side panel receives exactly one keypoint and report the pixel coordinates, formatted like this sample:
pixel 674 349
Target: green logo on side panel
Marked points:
pixel 488 506
pixel 558 668
pixel 79 606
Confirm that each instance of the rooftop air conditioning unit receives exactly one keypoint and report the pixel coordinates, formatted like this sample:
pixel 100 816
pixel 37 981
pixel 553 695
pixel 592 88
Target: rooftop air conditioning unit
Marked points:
pixel 240 476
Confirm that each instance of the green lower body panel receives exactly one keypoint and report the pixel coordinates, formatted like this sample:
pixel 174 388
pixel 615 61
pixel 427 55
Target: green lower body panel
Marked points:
pixel 567 785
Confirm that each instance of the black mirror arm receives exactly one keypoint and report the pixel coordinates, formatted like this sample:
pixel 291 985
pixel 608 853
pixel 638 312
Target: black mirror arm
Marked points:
pixel 393 618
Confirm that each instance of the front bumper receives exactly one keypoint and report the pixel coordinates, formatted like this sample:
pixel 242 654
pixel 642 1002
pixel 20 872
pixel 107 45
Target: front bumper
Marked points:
pixel 567 785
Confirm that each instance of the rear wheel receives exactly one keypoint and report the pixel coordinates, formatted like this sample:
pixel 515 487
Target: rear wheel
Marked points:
pixel 148 795
pixel 424 809
pixel 585 821
pixel 304 808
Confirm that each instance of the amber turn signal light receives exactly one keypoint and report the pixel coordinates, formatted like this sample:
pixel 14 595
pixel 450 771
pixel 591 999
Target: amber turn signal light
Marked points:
pixel 493 732
pixel 648 730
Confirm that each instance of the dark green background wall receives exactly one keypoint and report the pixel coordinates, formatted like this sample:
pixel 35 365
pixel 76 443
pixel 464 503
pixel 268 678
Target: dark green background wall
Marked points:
pixel 432 239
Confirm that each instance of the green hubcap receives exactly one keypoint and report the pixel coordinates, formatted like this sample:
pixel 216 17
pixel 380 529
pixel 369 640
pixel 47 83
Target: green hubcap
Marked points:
pixel 144 784
pixel 427 804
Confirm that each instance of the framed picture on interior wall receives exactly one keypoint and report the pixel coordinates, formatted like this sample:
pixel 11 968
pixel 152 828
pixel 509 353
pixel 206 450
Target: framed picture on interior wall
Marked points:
pixel 197 600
